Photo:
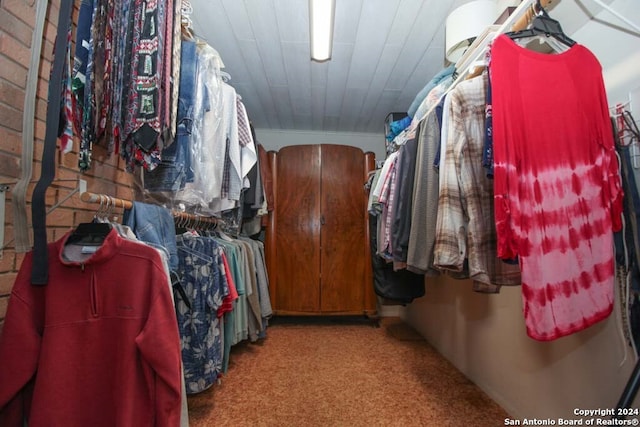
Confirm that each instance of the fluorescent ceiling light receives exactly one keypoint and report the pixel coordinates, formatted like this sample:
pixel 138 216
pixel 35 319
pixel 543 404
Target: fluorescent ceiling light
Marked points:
pixel 321 15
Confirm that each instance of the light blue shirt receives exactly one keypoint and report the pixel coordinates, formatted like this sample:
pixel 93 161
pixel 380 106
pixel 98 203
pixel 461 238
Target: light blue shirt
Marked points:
pixel 425 90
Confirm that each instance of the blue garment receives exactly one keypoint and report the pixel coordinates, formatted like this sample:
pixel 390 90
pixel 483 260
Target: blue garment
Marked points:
pixel 83 34
pixel 487 152
pixel 232 252
pixel 631 211
pixel 174 170
pixel 229 333
pixel 205 286
pixel 427 88
pixel 81 81
pixel 154 224
pixel 439 108
pixel 397 127
pixel 625 239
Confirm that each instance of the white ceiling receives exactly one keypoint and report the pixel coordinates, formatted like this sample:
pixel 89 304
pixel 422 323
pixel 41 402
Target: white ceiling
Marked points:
pixel 384 52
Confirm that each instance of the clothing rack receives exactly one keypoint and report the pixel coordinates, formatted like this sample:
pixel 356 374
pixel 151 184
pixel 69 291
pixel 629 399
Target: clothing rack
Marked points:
pixel 114 202
pixel 518 20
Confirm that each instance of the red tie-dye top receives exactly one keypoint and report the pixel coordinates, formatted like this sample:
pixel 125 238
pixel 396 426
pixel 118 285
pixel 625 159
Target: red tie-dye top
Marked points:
pixel 557 189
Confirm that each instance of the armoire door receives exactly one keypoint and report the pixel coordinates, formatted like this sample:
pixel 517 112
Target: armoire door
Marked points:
pixel 317 239
pixel 297 234
pixel 342 233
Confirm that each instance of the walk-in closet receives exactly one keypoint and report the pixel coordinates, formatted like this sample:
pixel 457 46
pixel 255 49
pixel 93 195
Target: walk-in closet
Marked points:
pixel 319 213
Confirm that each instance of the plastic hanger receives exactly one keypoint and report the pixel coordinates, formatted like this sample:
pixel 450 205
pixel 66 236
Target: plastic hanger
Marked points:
pixel 543 25
pixel 91 233
pixel 224 236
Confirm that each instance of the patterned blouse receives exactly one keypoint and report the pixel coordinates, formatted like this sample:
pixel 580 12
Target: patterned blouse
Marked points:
pixel 199 294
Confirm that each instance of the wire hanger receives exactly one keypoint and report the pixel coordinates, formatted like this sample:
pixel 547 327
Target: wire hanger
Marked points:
pixel 631 126
pixel 543 25
pixel 186 22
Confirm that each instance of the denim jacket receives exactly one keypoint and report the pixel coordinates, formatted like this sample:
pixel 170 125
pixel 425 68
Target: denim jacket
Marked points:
pixel 175 170
pixel 154 224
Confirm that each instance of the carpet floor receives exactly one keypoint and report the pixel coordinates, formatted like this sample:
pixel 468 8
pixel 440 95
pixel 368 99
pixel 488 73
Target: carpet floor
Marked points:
pixel 323 372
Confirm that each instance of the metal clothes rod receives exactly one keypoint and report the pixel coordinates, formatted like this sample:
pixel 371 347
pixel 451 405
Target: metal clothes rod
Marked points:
pixel 617 15
pixel 110 201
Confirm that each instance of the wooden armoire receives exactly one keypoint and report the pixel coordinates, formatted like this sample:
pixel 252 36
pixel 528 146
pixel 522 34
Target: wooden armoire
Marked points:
pixel 317 238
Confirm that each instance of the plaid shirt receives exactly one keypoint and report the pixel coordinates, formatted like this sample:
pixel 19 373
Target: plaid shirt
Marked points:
pixel 248 154
pixel 465 226
pixel 231 179
pixel 244 132
pixel 386 195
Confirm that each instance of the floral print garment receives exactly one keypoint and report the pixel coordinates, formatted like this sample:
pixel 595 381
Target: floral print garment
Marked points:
pixel 199 293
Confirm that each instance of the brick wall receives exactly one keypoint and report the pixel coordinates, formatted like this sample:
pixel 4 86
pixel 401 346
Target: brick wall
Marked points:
pixel 107 175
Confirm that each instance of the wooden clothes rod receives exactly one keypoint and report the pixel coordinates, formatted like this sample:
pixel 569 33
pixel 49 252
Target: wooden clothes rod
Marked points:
pixel 110 201
pixel 524 21
pixel 106 200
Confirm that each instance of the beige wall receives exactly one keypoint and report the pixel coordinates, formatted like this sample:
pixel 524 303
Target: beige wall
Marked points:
pixel 484 336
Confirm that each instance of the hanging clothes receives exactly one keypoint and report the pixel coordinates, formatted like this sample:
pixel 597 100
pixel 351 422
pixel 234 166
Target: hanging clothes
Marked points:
pixel 465 227
pixel 384 192
pixel 248 151
pixel 267 177
pixel 262 280
pixel 153 224
pixel 82 83
pixel 242 317
pixel 557 189
pixel 127 54
pixel 426 192
pixel 202 112
pixel 142 122
pixel 235 322
pixel 65 130
pixel 400 286
pixel 174 170
pixel 627 243
pixel 224 191
pixel 97 313
pixel 99 63
pixel 199 295
pixel 401 221
pixel 425 201
pixel 418 107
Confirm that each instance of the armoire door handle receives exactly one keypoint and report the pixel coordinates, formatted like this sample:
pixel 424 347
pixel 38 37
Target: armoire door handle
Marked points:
pixel 322 220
